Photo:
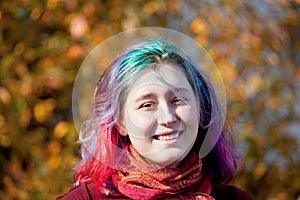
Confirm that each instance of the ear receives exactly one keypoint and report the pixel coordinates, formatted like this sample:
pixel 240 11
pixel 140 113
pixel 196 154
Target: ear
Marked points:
pixel 121 128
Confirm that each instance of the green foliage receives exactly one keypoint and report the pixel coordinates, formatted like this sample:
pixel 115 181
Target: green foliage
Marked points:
pixel 256 46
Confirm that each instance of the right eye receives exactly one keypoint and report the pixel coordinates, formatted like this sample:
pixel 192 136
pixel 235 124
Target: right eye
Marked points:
pixel 147 106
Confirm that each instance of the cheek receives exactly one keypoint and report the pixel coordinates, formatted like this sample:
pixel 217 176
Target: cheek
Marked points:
pixel 143 120
pixel 189 114
pixel 137 119
pixel 138 124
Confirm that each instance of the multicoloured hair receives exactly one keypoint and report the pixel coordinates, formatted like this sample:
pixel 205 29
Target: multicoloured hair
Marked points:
pixel 111 94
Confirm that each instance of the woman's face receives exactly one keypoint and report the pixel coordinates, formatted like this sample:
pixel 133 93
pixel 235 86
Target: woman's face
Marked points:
pixel 160 115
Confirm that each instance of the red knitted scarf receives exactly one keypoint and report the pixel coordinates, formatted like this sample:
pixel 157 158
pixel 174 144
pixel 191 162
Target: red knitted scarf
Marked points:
pixel 185 182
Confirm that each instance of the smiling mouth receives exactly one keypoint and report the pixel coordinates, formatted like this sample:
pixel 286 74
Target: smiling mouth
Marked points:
pixel 167 137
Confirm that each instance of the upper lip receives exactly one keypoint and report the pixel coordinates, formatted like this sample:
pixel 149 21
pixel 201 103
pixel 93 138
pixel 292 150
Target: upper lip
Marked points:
pixel 166 133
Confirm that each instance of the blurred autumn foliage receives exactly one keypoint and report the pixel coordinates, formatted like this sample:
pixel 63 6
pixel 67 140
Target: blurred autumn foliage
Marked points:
pixel 256 45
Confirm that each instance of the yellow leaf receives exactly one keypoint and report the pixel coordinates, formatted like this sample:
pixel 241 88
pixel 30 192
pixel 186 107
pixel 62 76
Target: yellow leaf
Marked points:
pixel 151 7
pixel 61 129
pixel 43 110
pixel 199 26
pixel 78 26
pixel 259 170
pixel 4 95
pixel 228 70
pixel 54 147
pixel 54 162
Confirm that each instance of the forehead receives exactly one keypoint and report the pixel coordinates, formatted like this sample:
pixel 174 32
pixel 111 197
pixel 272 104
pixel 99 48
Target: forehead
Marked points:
pixel 169 70
pixel 169 76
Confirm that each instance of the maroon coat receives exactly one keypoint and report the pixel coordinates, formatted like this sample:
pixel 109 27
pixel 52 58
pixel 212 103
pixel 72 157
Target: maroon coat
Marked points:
pixel 87 191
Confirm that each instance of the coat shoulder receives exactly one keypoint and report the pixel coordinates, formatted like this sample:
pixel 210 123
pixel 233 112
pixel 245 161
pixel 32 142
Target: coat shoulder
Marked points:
pixel 83 191
pixel 230 192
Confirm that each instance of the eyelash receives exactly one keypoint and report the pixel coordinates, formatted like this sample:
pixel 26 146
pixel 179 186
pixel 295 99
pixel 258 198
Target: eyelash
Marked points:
pixel 178 101
pixel 147 106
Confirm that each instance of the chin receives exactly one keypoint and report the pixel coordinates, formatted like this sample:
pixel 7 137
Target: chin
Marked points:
pixel 164 158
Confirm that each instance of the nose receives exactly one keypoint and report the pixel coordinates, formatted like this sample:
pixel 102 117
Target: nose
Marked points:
pixel 166 115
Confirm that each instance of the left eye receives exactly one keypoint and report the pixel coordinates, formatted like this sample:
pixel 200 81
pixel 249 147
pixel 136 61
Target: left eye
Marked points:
pixel 178 101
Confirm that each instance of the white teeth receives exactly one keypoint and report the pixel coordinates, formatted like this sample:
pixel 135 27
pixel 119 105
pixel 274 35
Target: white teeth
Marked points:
pixel 168 137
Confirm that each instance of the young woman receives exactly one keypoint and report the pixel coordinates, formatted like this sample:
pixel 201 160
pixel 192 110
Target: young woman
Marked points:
pixel 152 116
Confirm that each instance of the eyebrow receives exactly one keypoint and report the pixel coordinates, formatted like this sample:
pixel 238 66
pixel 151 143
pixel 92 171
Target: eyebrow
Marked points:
pixel 145 96
pixel 152 95
pixel 182 89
